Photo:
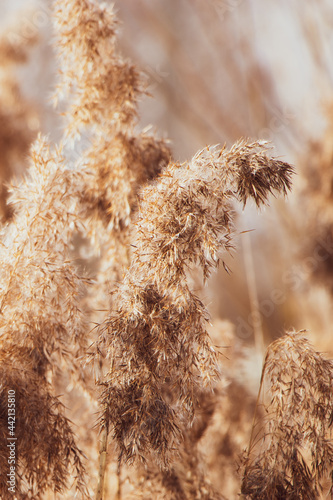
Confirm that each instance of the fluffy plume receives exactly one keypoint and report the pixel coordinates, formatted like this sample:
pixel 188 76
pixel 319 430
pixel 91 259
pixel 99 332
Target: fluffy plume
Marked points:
pixel 104 90
pixel 45 450
pixel 294 453
pixel 42 327
pixel 156 336
pixel 104 87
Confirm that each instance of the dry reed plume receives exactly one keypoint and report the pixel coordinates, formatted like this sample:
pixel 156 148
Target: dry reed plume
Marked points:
pixel 41 323
pixel 156 335
pixel 293 456
pixel 103 90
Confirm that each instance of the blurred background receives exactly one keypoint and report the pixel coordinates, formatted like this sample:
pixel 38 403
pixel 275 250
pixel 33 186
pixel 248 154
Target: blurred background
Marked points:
pixel 217 71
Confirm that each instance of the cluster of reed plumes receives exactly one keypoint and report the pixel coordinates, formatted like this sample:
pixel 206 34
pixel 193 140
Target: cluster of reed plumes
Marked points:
pixel 97 304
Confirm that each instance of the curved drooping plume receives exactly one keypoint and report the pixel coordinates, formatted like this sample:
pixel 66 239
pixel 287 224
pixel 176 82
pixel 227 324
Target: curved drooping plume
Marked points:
pixel 293 457
pixel 160 352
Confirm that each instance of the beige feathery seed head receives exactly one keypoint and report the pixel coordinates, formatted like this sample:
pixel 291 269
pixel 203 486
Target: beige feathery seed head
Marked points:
pixel 187 478
pixel 293 454
pixel 45 443
pixel 155 336
pixel 119 165
pixel 104 88
pixel 35 269
pixel 41 324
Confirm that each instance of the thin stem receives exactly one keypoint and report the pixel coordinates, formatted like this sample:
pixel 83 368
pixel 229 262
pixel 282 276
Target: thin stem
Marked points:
pixel 256 410
pixel 102 462
pixel 119 480
pixel 253 294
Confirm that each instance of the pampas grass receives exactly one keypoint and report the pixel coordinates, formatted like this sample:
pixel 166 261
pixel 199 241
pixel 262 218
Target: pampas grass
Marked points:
pixel 120 390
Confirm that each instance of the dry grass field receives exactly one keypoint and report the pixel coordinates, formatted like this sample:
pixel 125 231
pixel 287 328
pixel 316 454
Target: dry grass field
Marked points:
pixel 166 270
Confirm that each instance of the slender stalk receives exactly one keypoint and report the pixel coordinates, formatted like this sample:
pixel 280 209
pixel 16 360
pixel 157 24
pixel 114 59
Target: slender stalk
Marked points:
pixel 253 294
pixel 102 462
pixel 255 413
pixel 119 481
